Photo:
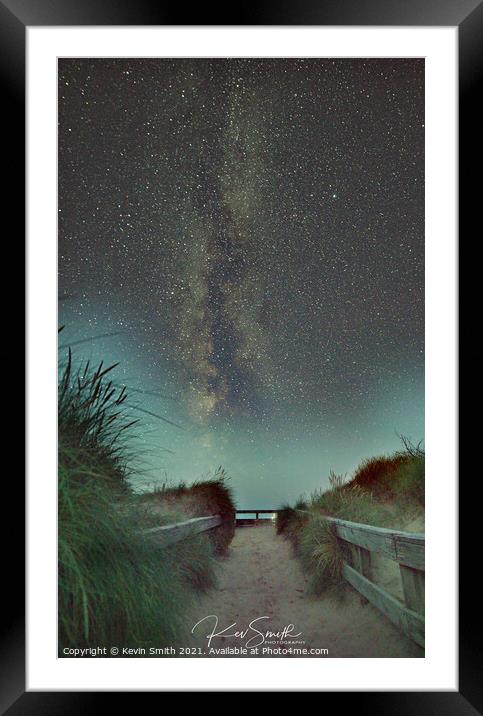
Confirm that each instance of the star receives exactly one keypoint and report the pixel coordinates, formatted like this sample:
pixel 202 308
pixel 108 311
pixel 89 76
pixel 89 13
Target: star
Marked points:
pixel 248 237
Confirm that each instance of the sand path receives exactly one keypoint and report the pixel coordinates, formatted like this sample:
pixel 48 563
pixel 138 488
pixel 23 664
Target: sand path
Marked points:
pixel 261 578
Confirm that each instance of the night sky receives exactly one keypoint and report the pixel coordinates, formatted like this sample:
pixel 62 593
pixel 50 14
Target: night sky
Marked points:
pixel 247 238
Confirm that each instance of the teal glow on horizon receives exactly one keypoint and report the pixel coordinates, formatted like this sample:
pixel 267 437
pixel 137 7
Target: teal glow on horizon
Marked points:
pixel 267 466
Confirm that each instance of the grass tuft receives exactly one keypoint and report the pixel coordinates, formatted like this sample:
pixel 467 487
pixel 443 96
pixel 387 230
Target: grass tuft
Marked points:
pixel 116 584
pixel 92 422
pixel 321 554
pixel 208 497
pixel 284 516
pixel 386 491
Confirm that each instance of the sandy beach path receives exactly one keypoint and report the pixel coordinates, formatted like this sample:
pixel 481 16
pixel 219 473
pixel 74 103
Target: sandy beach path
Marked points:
pixel 261 578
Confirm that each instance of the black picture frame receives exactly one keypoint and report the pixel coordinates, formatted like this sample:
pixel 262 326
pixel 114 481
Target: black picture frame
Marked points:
pixel 15 17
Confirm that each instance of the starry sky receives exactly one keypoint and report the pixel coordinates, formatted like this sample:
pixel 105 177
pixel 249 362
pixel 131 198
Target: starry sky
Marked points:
pixel 246 237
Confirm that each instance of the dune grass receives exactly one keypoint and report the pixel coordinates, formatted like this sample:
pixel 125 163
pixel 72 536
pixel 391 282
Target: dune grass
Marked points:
pixel 321 554
pixel 386 491
pixel 92 420
pixel 211 496
pixel 284 516
pixel 116 586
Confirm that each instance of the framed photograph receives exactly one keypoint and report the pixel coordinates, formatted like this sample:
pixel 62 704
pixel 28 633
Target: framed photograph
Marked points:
pixel 241 352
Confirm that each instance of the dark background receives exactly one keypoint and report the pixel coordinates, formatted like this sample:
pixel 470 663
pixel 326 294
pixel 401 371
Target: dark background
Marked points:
pixel 12 77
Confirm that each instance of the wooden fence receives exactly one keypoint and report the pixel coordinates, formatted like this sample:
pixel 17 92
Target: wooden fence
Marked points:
pixel 169 534
pixel 256 513
pixel 405 548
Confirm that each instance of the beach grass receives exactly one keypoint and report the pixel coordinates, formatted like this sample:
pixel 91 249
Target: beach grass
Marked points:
pixel 116 584
pixel 212 496
pixel 385 491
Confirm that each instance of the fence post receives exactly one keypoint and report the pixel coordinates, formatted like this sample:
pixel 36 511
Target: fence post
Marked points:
pixel 413 588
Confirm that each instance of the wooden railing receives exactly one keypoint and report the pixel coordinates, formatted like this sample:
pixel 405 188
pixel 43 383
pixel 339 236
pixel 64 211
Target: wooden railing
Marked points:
pixel 256 513
pixel 405 548
pixel 169 534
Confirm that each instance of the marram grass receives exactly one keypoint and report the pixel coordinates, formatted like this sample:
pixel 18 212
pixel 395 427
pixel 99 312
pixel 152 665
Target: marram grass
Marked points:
pixel 387 491
pixel 212 496
pixel 321 555
pixel 116 586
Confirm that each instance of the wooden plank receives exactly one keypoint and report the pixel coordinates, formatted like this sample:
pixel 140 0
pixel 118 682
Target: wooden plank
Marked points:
pixel 362 560
pixel 404 547
pixel 260 512
pixel 169 534
pixel 405 619
pixel 413 588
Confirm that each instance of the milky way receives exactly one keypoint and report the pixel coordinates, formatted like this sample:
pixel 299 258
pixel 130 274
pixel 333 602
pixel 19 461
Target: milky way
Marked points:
pixel 253 231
